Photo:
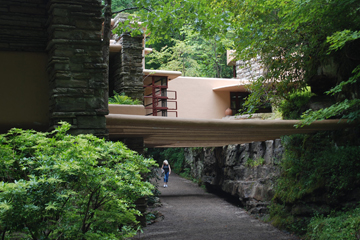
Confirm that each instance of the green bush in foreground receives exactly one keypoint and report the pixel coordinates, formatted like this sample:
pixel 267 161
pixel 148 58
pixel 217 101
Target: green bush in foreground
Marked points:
pixel 58 186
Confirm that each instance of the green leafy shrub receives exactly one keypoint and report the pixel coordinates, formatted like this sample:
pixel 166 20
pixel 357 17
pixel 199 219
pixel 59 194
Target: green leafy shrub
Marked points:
pixel 123 99
pixel 280 217
pixel 58 186
pixel 313 162
pixel 338 225
pixel 295 104
pixel 313 167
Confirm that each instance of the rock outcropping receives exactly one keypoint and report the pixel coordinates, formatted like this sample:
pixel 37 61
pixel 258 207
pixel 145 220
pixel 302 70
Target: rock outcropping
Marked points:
pixel 246 171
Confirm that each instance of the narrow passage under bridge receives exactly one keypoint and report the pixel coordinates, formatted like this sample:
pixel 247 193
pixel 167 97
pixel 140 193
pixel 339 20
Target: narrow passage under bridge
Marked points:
pixel 160 132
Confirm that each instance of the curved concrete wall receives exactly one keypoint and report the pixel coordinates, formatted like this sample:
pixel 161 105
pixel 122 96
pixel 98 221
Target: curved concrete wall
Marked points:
pixel 24 91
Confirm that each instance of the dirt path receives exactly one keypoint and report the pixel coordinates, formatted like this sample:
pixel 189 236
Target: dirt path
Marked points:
pixel 193 214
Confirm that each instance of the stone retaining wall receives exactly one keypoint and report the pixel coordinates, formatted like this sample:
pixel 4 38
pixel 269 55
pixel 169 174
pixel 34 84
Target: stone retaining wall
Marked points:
pixel 228 169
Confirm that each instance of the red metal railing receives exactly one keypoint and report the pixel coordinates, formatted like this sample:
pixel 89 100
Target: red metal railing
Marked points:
pixel 159 97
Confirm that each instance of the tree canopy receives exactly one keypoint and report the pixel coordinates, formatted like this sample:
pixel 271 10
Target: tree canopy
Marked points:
pixel 298 41
pixel 193 55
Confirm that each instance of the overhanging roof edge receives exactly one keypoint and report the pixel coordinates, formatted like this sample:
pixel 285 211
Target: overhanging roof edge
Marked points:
pixel 181 132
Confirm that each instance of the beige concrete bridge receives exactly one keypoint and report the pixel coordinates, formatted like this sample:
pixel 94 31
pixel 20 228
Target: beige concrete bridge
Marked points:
pixel 180 132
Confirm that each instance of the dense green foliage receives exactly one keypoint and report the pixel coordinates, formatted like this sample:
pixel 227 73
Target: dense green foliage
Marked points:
pixel 118 5
pixel 175 156
pixel 123 99
pixel 295 104
pixel 58 186
pixel 341 225
pixel 184 50
pixel 313 163
pixel 281 217
pixel 293 39
pixel 314 167
pixel 193 55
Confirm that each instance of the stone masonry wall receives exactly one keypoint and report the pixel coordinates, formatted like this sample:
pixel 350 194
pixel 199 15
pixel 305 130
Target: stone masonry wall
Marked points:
pixel 69 31
pixel 130 78
pixel 76 68
pixel 23 25
pixel 228 169
pixel 126 68
pixel 249 69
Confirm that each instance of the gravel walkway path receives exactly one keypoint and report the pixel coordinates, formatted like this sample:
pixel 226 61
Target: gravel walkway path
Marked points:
pixel 193 214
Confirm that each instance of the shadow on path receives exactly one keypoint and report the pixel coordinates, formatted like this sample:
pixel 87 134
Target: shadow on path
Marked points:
pixel 193 214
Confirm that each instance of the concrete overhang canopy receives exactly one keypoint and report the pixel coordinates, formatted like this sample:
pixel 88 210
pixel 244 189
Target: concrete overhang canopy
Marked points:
pixel 170 74
pixel 179 132
pixel 114 46
pixel 230 57
pixel 231 88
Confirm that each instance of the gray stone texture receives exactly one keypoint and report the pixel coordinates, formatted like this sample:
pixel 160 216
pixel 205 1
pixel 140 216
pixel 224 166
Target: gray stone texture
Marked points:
pixel 249 69
pixel 126 70
pixel 226 168
pixel 70 32
pixel 23 25
pixel 77 72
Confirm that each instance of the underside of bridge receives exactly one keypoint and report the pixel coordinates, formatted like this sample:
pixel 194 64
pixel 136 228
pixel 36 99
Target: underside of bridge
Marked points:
pixel 158 132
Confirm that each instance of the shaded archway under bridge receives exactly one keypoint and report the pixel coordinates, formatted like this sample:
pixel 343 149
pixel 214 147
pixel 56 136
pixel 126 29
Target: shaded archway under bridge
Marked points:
pixel 165 132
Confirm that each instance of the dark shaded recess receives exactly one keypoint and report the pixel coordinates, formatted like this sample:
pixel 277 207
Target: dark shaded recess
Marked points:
pixel 234 200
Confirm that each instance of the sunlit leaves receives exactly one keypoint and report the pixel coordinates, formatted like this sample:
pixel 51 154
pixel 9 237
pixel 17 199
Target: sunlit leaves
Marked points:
pixel 194 56
pixel 347 108
pixel 63 186
pixel 339 39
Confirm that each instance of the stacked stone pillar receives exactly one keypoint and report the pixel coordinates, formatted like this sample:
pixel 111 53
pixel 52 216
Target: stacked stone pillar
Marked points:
pixel 77 72
pixel 129 79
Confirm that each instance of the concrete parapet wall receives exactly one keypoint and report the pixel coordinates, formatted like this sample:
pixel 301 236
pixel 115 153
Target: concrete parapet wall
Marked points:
pixel 127 109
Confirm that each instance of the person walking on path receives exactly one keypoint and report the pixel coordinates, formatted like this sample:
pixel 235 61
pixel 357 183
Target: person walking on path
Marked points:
pixel 167 171
pixel 191 213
